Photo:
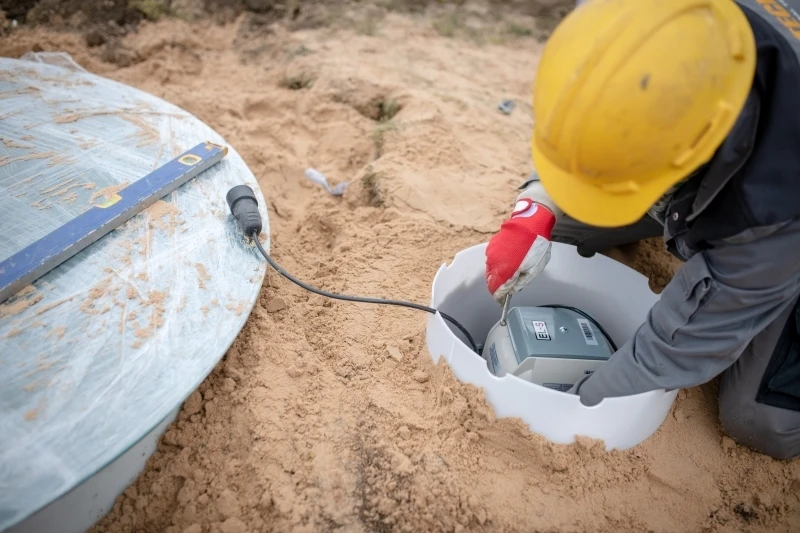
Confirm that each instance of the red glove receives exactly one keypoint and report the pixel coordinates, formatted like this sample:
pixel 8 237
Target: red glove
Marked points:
pixel 520 250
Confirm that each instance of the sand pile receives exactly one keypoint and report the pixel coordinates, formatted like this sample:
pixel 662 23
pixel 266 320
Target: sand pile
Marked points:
pixel 330 416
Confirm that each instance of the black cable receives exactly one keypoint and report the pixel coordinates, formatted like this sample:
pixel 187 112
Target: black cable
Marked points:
pixel 244 207
pixel 360 299
pixel 590 319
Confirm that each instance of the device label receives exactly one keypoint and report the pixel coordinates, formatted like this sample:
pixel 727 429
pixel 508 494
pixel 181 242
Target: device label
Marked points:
pixel 588 332
pixel 561 387
pixel 493 359
pixel 540 328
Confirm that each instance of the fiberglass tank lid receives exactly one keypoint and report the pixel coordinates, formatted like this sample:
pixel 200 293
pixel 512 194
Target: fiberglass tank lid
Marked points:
pixel 98 351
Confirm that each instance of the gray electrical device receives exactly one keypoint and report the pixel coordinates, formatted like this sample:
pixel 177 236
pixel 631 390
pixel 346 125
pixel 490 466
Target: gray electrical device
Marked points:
pixel 550 346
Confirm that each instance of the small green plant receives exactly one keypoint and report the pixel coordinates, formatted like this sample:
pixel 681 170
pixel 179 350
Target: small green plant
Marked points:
pixel 301 50
pixel 297 82
pixel 372 185
pixel 368 26
pixel 448 25
pixel 379 136
pixel 387 109
pixel 151 9
pixel 519 30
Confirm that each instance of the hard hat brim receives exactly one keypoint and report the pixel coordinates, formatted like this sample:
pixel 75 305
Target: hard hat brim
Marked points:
pixel 590 204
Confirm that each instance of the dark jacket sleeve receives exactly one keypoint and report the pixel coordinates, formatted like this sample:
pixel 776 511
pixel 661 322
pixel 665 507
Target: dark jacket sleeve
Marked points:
pixel 716 303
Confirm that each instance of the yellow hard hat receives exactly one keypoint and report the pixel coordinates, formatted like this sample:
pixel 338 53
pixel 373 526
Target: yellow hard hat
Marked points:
pixel 631 96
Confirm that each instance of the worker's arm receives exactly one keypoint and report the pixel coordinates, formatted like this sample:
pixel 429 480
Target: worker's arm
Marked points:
pixel 521 249
pixel 535 192
pixel 716 303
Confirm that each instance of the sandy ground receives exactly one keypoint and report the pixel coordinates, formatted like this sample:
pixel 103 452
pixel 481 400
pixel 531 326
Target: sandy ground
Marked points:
pixel 330 416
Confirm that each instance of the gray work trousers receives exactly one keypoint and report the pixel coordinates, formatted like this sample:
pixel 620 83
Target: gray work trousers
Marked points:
pixel 765 428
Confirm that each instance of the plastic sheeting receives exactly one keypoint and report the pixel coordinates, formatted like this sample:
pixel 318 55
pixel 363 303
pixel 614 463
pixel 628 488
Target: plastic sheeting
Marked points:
pixel 59 59
pixel 96 353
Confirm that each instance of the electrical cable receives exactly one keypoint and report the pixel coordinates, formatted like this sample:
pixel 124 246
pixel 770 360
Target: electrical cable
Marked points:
pixel 360 299
pixel 244 207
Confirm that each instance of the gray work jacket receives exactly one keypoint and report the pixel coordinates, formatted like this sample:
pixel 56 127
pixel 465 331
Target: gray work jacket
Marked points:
pixel 736 224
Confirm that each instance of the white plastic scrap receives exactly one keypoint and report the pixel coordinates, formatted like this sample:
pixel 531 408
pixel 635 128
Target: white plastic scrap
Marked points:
pixel 58 59
pixel 317 177
pixel 506 106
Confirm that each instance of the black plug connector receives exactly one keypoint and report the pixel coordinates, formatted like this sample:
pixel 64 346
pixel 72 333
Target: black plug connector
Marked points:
pixel 244 207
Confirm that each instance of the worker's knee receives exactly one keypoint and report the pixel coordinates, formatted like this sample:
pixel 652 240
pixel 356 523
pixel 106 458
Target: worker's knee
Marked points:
pixel 769 430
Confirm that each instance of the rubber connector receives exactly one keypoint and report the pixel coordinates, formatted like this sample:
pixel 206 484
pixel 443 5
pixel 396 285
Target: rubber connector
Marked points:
pixel 244 207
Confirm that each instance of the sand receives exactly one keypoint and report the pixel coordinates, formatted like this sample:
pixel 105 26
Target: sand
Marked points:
pixel 330 416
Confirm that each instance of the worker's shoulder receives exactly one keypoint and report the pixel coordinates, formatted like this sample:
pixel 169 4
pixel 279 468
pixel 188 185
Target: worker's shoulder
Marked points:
pixel 772 18
pixel 751 181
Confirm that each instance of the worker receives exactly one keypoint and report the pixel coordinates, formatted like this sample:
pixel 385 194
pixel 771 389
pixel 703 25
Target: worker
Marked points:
pixel 679 119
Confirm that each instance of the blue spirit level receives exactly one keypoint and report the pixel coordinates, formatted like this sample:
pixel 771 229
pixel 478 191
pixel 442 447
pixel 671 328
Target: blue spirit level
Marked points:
pixel 37 259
